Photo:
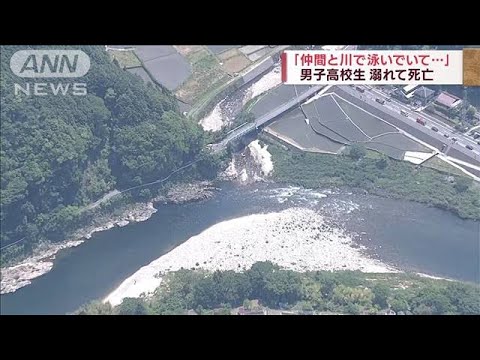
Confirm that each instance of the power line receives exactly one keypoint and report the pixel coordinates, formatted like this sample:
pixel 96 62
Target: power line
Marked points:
pixel 6 246
pixel 128 189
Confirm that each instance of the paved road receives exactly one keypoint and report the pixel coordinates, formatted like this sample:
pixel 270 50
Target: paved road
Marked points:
pixel 431 121
pixel 391 113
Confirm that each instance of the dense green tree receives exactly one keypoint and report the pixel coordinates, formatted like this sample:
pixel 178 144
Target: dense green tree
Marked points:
pixel 312 293
pixel 353 309
pixel 96 308
pixel 349 278
pixel 132 306
pixel 423 309
pixel 59 153
pixel 231 288
pixel 382 162
pixel 258 274
pixel 351 293
pixel 381 292
pixel 462 184
pixel 283 287
pixel 431 299
pixel 399 301
pixel 327 284
pixel 204 293
pixel 357 151
pixel 344 295
pixel 466 299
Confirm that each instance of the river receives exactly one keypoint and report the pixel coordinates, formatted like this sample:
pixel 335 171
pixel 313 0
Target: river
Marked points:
pixel 406 235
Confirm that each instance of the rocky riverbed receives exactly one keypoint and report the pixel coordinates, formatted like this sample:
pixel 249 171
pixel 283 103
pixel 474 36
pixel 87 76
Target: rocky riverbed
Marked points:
pixel 42 260
pixel 183 193
pixel 298 238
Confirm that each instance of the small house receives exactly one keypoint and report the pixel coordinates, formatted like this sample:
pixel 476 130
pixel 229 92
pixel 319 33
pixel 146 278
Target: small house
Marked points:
pixel 424 94
pixel 447 101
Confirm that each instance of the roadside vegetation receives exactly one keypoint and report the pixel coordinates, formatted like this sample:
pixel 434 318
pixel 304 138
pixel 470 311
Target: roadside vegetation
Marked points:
pixel 440 165
pixel 344 292
pixel 379 175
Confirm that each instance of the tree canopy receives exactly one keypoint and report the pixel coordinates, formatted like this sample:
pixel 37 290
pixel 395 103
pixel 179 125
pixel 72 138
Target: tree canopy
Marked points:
pixel 61 152
pixel 348 292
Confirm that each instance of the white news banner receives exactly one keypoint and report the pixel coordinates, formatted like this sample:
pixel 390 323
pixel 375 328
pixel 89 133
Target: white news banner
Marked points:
pixel 389 67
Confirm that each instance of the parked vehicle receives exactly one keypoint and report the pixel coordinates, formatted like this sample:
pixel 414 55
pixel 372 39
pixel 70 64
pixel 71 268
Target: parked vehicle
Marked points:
pixel 421 121
pixel 446 135
pixel 434 128
pixel 388 99
pixel 478 142
pixel 469 147
pixel 380 101
pixel 454 139
pixel 362 90
pixel 404 113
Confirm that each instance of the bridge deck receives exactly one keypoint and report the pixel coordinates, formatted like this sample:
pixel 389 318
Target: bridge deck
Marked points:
pixel 269 116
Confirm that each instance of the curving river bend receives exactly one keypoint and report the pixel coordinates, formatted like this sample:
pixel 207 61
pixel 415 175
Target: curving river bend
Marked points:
pixel 406 235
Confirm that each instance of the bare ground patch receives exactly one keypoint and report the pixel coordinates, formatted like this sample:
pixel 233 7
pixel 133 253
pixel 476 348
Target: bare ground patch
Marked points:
pixel 187 50
pixel 207 74
pixel 228 54
pixel 126 59
pixel 236 64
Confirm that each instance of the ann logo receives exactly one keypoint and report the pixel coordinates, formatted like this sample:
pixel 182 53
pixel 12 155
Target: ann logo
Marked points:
pixel 56 64
pixel 50 63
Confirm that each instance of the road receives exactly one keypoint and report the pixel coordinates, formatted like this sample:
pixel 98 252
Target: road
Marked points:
pixel 441 139
pixel 425 133
pixel 443 129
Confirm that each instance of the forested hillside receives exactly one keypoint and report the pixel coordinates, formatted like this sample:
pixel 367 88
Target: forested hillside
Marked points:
pixel 61 152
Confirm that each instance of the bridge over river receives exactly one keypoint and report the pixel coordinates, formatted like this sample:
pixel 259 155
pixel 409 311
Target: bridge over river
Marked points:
pixel 262 120
pixel 266 118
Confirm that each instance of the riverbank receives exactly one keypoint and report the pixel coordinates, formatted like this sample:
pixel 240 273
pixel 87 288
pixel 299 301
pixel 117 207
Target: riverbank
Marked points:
pixel 182 193
pixel 224 113
pixel 41 261
pixel 267 289
pixel 378 176
pixel 407 235
pixel 298 239
pixel 238 246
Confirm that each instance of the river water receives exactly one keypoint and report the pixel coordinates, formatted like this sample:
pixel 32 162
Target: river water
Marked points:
pixel 406 235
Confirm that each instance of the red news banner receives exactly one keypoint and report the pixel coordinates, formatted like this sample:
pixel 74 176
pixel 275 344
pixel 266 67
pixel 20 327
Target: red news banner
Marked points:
pixel 332 67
